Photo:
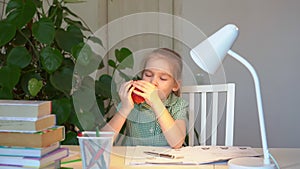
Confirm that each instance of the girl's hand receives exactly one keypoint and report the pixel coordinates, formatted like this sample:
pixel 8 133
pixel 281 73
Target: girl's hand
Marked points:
pixel 125 96
pixel 148 91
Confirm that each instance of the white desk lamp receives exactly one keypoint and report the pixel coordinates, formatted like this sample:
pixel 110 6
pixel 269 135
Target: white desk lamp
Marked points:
pixel 208 55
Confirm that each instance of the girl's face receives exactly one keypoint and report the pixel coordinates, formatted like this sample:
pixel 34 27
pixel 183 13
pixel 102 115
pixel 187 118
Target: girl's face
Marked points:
pixel 158 71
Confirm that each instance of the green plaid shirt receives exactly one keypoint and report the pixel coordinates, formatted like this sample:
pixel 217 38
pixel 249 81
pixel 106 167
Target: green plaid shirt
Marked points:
pixel 143 127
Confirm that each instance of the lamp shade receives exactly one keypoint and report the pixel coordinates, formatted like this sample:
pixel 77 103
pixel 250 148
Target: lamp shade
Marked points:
pixel 209 54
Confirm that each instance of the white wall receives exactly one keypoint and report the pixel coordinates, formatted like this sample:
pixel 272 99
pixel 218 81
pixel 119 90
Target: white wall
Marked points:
pixel 269 39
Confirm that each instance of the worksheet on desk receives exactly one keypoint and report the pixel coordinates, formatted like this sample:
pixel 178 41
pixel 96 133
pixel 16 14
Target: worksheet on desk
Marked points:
pixel 185 155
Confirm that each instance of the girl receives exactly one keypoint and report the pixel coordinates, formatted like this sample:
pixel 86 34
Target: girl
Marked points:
pixel 161 119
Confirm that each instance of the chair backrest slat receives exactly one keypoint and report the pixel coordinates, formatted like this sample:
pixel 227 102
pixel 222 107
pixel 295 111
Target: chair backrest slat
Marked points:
pixel 203 119
pixel 213 91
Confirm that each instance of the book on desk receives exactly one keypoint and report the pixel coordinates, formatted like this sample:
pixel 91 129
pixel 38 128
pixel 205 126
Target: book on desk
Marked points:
pixel 25 108
pixel 29 136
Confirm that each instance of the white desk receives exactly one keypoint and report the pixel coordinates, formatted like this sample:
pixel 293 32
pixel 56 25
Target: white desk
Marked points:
pixel 287 158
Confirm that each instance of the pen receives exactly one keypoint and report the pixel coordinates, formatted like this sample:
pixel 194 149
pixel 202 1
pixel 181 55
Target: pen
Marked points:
pixel 160 154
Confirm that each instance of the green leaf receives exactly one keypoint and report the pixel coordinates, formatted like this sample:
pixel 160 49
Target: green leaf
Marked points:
pixel 74 1
pixel 38 3
pixel 20 12
pixel 100 103
pixel 8 31
pixel 6 93
pixel 20 37
pixel 62 109
pixel 71 139
pixel 84 96
pixel 19 56
pixel 124 76
pixel 87 61
pixel 124 57
pixel 62 79
pixel 112 63
pixel 56 15
pixel 77 49
pixel 43 30
pixel 86 120
pixel 34 86
pixel 70 12
pixel 11 74
pixel 96 40
pixel 103 86
pixel 13 5
pixel 69 38
pixel 25 80
pixel 76 23
pixel 51 59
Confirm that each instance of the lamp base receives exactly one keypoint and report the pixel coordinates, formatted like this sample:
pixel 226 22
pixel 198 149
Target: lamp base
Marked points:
pixel 249 163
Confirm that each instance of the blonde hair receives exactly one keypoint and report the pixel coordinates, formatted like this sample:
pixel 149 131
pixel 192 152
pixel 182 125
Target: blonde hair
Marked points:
pixel 175 60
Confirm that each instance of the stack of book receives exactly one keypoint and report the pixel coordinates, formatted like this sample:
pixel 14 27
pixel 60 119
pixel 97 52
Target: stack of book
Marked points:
pixel 29 136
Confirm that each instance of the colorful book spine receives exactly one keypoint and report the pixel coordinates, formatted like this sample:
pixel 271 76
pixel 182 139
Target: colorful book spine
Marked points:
pixel 27 151
pixel 44 161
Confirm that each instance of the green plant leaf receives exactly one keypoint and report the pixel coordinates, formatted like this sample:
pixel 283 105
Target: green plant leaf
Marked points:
pixel 84 96
pixel 70 12
pixel 20 12
pixel 8 32
pixel 76 23
pixel 13 5
pixel 100 103
pixel 43 30
pixel 69 38
pixel 86 120
pixel 103 86
pixel 124 76
pixel 25 80
pixel 112 63
pixel 11 74
pixel 34 86
pixel 124 57
pixel 51 59
pixel 87 61
pixel 62 109
pixel 20 37
pixel 74 1
pixel 71 138
pixel 62 79
pixel 77 49
pixel 56 15
pixel 96 40
pixel 38 4
pixel 19 56
pixel 6 93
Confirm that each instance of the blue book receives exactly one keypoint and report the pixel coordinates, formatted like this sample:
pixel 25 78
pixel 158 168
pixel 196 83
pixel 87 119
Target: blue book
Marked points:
pixel 54 165
pixel 35 162
pixel 27 151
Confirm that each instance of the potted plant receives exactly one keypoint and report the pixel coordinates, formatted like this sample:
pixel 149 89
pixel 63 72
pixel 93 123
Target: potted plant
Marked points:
pixel 40 44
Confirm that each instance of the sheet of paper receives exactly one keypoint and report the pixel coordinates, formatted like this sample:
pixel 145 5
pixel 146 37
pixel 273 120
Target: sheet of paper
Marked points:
pixel 137 156
pixel 186 155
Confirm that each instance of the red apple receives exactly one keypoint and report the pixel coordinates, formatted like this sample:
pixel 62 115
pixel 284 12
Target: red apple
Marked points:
pixel 136 98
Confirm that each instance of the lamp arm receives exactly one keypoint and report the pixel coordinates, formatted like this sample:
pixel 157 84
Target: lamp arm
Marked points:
pixel 259 104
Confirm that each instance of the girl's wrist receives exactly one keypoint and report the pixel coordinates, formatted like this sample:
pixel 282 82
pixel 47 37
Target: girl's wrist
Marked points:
pixel 124 111
pixel 158 108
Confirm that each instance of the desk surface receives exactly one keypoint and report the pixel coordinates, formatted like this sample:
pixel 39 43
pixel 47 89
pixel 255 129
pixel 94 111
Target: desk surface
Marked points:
pixel 287 158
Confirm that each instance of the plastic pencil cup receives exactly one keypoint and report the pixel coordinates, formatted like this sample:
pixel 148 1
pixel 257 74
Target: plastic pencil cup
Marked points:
pixel 95 149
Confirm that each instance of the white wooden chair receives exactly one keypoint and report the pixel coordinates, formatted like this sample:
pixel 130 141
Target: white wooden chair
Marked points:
pixel 199 97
